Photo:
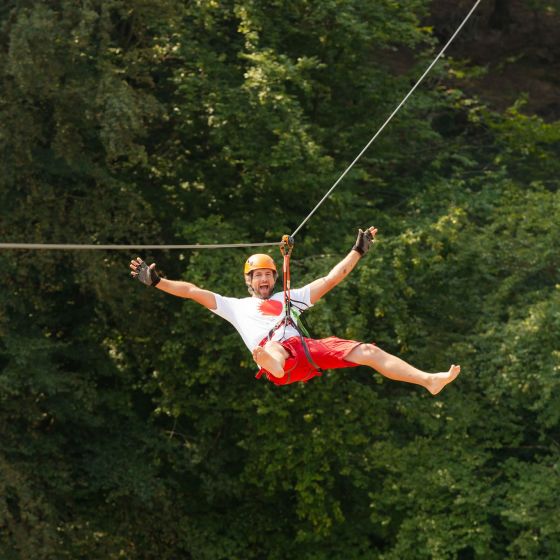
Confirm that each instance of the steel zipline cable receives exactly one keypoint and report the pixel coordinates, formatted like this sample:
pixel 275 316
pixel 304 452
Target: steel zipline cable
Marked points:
pixel 389 118
pixel 91 247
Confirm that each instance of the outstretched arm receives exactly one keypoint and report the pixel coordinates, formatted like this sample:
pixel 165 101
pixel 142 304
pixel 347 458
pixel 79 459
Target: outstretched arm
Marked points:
pixel 318 288
pixel 148 275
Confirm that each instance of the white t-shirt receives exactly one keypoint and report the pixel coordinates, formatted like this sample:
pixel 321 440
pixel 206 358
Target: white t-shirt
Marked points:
pixel 254 317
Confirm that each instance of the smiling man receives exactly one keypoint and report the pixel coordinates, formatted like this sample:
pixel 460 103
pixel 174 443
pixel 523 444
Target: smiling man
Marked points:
pixel 260 275
pixel 282 353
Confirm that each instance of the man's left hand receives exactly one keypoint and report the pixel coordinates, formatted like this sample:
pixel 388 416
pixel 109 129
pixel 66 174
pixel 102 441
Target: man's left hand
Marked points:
pixel 364 240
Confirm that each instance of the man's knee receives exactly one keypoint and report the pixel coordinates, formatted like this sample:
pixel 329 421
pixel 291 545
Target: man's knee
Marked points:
pixel 272 345
pixel 363 353
pixel 276 349
pixel 370 350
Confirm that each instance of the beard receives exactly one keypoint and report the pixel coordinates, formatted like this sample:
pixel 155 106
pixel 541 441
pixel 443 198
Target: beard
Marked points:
pixel 264 293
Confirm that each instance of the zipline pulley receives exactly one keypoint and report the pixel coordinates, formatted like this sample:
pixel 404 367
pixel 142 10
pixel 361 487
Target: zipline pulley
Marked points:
pixel 286 245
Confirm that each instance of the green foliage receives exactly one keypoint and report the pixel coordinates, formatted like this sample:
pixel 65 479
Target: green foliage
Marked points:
pixel 131 425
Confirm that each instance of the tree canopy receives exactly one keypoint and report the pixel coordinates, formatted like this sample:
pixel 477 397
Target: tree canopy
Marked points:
pixel 131 425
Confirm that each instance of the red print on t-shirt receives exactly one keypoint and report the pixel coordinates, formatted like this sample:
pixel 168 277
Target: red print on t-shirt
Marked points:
pixel 271 307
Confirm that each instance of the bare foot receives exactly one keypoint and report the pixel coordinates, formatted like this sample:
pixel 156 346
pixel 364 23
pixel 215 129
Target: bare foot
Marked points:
pixel 437 381
pixel 267 361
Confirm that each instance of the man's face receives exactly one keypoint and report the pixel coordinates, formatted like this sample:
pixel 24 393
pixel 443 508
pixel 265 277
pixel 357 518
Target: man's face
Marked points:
pixel 262 283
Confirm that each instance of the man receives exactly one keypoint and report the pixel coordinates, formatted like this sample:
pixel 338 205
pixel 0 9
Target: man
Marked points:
pixel 283 355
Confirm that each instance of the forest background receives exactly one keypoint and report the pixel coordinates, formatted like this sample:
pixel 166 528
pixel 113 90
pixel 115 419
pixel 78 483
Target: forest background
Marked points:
pixel 131 425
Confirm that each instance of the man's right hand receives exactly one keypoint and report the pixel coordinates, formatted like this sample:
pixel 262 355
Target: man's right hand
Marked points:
pixel 144 273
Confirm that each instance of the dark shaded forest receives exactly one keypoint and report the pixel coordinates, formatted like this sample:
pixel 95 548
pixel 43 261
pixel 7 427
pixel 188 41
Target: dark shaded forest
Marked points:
pixel 131 424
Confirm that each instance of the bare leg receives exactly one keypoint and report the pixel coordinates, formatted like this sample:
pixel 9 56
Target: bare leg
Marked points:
pixel 394 368
pixel 272 358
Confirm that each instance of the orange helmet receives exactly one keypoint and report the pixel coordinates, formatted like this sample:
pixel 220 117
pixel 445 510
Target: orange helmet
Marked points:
pixel 259 261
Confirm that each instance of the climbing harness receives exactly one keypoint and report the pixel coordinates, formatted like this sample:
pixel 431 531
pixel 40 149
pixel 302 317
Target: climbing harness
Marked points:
pixel 291 315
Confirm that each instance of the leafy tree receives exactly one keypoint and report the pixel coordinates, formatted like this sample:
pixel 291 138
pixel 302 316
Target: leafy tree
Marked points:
pixel 130 422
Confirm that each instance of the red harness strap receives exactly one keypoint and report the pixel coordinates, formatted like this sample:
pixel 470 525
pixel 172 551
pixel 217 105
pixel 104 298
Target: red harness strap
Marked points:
pixel 286 249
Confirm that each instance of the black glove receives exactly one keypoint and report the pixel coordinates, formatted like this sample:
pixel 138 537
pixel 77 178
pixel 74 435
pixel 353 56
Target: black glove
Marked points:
pixel 363 242
pixel 147 275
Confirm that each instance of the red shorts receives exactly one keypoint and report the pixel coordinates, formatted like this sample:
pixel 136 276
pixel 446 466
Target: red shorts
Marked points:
pixel 327 353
